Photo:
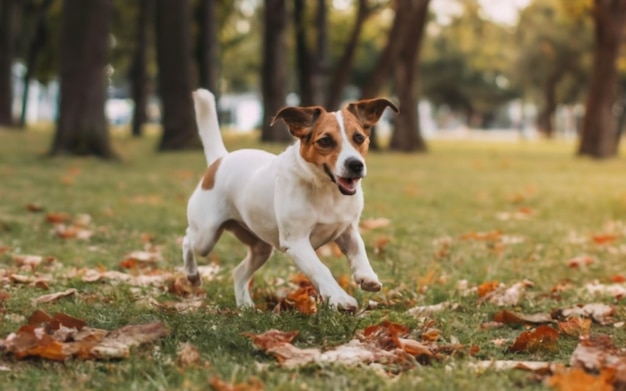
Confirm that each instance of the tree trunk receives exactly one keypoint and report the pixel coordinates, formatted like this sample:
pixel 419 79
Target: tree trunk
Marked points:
pixel 37 44
pixel 304 59
pixel 341 74
pixel 208 46
pixel 599 136
pixel 82 127
pixel 174 61
pixel 545 119
pixel 6 61
pixel 138 74
pixel 274 70
pixel 320 63
pixel 407 135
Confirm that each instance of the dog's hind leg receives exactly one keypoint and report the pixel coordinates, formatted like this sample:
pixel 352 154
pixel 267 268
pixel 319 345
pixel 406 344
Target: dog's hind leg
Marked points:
pixel 198 241
pixel 258 253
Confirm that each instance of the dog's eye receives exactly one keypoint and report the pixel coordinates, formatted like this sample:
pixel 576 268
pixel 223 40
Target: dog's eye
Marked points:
pixel 326 142
pixel 358 138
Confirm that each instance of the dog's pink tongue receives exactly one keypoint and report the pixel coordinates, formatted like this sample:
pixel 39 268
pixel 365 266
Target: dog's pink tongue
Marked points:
pixel 348 184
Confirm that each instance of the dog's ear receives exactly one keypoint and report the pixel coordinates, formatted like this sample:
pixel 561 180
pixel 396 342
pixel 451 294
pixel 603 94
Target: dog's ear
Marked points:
pixel 368 111
pixel 299 119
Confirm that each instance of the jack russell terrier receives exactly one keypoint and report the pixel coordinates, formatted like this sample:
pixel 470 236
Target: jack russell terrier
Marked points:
pixel 296 201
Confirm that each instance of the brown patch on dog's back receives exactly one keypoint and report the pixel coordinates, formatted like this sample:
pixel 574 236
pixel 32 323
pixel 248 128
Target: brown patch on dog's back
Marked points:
pixel 208 181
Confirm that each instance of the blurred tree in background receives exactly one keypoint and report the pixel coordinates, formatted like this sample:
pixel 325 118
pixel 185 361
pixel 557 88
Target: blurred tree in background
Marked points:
pixel 560 53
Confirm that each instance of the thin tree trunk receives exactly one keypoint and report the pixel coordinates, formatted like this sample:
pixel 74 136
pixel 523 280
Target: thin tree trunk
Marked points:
pixel 274 69
pixel 174 60
pixel 320 64
pixel 37 44
pixel 82 127
pixel 138 72
pixel 407 135
pixel 599 137
pixel 304 59
pixel 342 72
pixel 545 119
pixel 208 46
pixel 6 61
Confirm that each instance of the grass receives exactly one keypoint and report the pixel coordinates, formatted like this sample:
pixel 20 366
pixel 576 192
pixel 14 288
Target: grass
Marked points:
pixel 458 188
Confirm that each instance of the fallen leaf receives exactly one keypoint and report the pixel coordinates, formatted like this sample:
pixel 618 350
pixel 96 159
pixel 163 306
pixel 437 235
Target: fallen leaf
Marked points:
pixel 487 287
pixel 602 239
pixel 618 291
pixel 31 262
pixel 599 352
pixel 254 384
pixel 599 312
pixel 380 243
pixel 271 338
pixel 427 310
pixel 581 261
pixel 508 317
pixel 34 207
pixel 117 344
pixel 575 326
pixel 541 367
pixel 375 223
pixel 58 217
pixel 542 338
pixel 486 236
pixel 503 296
pixel 53 296
pixel 576 379
pixel 188 355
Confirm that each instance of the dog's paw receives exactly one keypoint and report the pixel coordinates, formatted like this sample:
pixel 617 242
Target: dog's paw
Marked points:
pixel 370 284
pixel 195 280
pixel 343 303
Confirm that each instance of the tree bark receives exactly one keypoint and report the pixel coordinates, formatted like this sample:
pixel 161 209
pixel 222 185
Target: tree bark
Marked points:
pixel 599 137
pixel 545 119
pixel 341 74
pixel 174 61
pixel 407 136
pixel 138 74
pixel 6 61
pixel 208 46
pixel 274 77
pixel 82 127
pixel 312 64
pixel 37 44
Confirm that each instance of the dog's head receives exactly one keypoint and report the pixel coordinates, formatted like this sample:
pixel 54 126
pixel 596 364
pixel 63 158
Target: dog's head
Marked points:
pixel 336 142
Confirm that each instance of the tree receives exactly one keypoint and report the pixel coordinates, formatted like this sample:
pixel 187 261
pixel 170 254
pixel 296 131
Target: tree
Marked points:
pixel 545 34
pixel 174 62
pixel 208 46
pixel 406 135
pixel 138 73
pixel 599 134
pixel 82 126
pixel 274 76
pixel 37 44
pixel 6 60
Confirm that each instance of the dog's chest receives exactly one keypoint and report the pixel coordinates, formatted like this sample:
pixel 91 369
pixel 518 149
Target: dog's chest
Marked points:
pixel 333 215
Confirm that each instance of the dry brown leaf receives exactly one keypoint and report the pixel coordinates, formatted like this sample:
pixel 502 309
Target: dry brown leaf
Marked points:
pixel 374 223
pixel 542 338
pixel 34 207
pixel 508 317
pixel 575 326
pixel 58 217
pixel 53 296
pixel 541 367
pixel 254 384
pixel 617 291
pixel 576 379
pixel 581 261
pixel 597 353
pixel 31 262
pixel 599 312
pixel 487 287
pixel 271 338
pixel 504 296
pixel 188 355
pixel 117 344
pixel 303 299
pixel 142 258
pixel 603 239
pixel 486 236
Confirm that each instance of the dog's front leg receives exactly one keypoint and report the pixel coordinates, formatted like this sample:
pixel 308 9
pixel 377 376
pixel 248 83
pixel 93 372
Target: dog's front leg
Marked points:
pixel 351 244
pixel 308 262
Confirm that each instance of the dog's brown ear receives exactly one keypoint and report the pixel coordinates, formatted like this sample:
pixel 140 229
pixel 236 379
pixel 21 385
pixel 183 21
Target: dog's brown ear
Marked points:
pixel 368 111
pixel 299 119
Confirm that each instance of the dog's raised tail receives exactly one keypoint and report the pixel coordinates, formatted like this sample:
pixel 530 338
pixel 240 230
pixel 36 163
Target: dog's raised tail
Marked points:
pixel 208 125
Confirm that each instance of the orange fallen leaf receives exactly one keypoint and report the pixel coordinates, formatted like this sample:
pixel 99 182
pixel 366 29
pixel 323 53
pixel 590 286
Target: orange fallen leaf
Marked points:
pixel 58 217
pixel 380 243
pixel 618 279
pixel 508 317
pixel 271 338
pixel 254 384
pixel 602 239
pixel 543 338
pixel 34 207
pixel 580 261
pixel 487 287
pixel 575 326
pixel 576 379
pixel 487 236
pixel 375 223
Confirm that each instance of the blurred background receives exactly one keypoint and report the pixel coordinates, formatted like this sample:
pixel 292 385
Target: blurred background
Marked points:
pixel 507 69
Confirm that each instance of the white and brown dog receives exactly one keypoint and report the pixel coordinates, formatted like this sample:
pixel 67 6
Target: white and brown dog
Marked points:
pixel 296 201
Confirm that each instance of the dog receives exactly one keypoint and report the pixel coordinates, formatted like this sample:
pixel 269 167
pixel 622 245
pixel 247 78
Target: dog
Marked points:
pixel 294 202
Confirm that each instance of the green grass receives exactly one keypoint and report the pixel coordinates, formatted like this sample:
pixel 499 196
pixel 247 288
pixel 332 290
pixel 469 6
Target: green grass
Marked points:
pixel 458 188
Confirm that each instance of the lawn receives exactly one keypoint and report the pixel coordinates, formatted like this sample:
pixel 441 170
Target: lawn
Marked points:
pixel 465 222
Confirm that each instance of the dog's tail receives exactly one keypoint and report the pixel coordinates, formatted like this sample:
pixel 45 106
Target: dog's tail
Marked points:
pixel 208 126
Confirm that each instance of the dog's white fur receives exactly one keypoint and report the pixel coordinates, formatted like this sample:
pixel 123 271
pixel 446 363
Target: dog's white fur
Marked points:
pixel 277 201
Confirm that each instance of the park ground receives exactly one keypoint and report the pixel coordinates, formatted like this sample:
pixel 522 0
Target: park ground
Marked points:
pixel 482 226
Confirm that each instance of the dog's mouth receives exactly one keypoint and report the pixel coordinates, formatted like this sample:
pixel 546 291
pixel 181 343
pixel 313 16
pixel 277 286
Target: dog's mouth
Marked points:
pixel 347 186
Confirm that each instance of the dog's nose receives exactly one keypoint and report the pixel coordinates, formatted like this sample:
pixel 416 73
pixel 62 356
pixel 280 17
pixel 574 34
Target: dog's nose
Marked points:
pixel 355 165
